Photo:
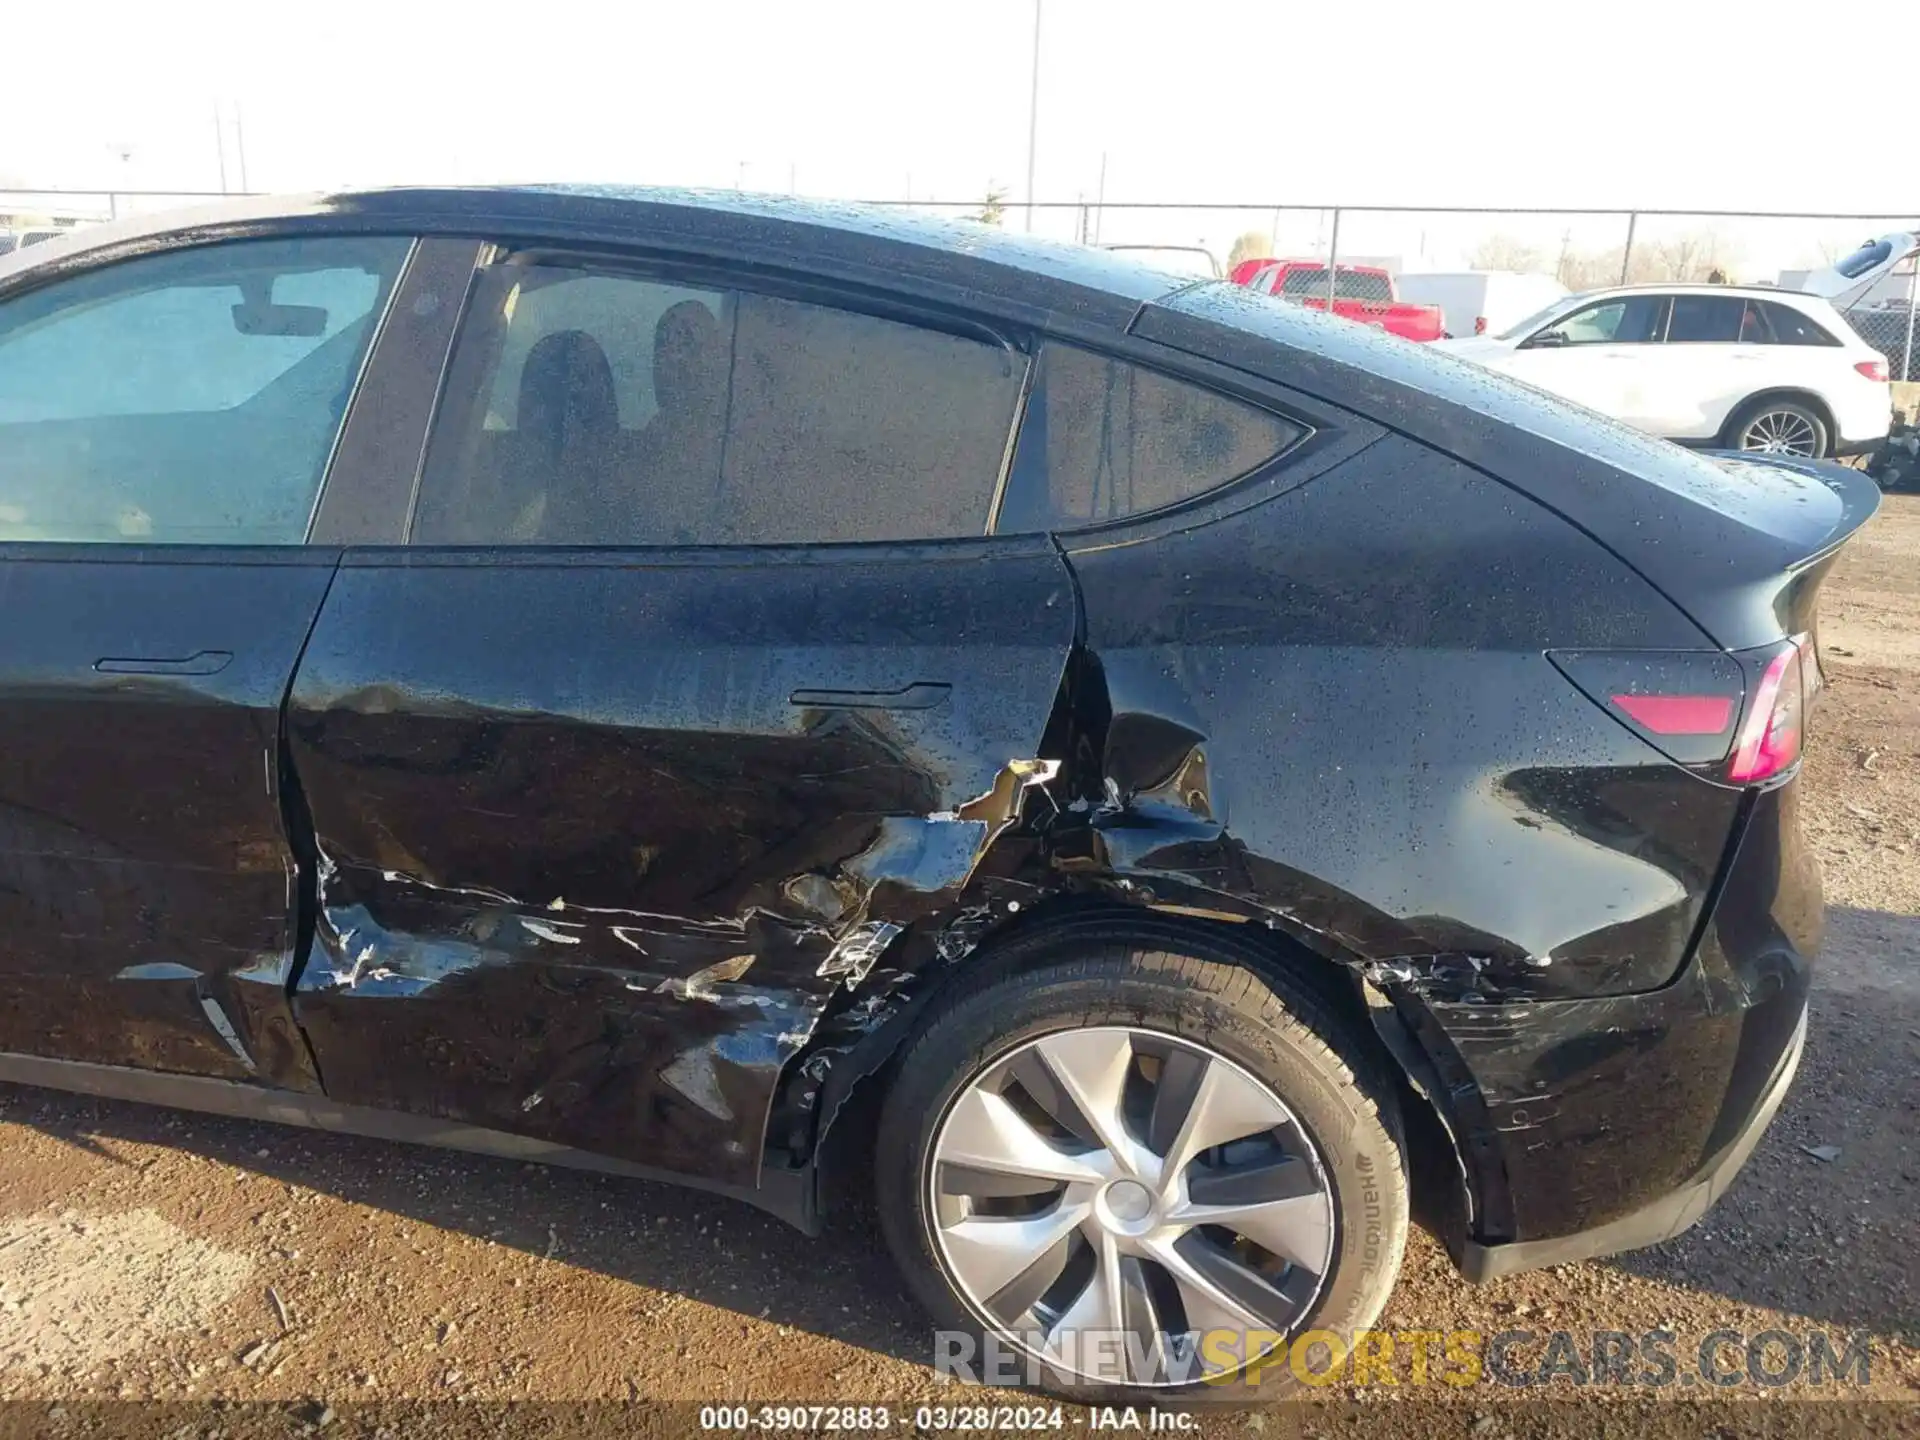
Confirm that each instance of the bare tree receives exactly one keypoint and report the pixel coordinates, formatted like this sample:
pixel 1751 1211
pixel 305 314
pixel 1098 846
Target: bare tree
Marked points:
pixel 1504 252
pixel 1688 259
pixel 1250 245
pixel 1587 270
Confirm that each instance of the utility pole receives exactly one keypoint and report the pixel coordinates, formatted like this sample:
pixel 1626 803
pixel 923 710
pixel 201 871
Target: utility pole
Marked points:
pixel 1100 200
pixel 1913 303
pixel 240 144
pixel 1033 114
pixel 220 145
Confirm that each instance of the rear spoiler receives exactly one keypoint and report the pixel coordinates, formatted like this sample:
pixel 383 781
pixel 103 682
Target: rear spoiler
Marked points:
pixel 1816 541
pixel 1857 493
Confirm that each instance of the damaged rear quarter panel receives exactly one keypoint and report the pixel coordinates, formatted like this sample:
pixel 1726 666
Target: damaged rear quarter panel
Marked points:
pixel 1350 728
pixel 600 836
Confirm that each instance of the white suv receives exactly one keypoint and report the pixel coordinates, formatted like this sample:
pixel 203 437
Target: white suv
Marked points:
pixel 1747 368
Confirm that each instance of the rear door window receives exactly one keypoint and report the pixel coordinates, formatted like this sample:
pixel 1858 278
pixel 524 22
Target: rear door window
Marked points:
pixel 1104 439
pixel 592 408
pixel 191 397
pixel 1706 319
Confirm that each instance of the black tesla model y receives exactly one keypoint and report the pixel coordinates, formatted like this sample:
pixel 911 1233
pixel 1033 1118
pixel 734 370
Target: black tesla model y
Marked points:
pixel 1150 781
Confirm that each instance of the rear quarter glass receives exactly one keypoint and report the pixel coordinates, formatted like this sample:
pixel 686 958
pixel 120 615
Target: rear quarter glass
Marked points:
pixel 1440 376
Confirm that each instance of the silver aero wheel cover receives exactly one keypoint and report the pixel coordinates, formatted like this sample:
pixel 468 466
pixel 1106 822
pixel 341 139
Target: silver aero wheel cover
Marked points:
pixel 1780 432
pixel 1106 1197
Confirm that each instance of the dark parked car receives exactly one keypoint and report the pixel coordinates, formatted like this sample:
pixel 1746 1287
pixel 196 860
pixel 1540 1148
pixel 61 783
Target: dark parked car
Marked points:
pixel 790 698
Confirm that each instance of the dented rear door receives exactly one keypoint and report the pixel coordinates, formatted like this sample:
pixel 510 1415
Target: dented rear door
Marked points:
pixel 667 720
pixel 599 835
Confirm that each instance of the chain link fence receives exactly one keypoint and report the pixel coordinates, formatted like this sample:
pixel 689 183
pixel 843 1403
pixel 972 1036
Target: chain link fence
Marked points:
pixel 1577 249
pixel 1889 328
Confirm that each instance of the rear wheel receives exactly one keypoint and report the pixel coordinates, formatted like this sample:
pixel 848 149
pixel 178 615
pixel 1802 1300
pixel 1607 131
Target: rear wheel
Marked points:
pixel 1781 427
pixel 1135 1172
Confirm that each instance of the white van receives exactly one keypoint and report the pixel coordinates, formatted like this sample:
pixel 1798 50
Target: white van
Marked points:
pixel 1480 302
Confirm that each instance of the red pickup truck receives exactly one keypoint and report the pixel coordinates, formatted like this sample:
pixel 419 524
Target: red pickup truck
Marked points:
pixel 1360 292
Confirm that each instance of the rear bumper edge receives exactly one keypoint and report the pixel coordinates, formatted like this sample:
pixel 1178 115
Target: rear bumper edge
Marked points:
pixel 1661 1220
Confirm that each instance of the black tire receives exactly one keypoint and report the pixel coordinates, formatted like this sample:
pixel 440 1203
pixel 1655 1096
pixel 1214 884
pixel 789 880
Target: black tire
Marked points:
pixel 1279 1031
pixel 1785 415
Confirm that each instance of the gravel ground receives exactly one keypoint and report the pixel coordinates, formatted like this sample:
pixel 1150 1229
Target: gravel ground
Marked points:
pixel 146 1255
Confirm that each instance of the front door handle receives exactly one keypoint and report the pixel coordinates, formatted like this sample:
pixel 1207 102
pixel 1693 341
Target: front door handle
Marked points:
pixel 201 662
pixel 921 695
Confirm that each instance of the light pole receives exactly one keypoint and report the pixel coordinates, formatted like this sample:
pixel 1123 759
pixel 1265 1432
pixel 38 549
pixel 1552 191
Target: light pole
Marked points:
pixel 1913 303
pixel 1033 114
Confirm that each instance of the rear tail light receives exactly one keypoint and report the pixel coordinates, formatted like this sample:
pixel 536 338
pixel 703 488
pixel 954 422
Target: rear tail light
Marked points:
pixel 1734 718
pixel 1770 735
pixel 1875 370
pixel 1479 324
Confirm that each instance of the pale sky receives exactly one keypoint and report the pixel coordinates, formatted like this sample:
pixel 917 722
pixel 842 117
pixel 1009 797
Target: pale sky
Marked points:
pixel 1703 103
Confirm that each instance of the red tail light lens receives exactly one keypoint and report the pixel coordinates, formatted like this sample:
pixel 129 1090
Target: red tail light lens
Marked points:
pixel 1875 370
pixel 1769 740
pixel 1479 324
pixel 1680 714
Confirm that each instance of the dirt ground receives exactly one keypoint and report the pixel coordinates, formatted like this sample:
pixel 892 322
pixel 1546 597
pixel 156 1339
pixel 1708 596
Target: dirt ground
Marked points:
pixel 147 1255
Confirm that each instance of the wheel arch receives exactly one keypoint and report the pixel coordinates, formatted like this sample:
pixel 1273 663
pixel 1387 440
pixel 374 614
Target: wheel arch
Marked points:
pixel 844 1108
pixel 1812 399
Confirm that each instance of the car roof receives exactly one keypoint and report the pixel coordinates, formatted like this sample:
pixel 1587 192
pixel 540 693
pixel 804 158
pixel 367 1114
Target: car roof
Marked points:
pixel 964 259
pixel 1700 287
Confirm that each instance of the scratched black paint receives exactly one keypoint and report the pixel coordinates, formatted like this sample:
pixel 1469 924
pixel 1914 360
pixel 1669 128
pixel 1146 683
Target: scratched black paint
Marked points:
pixel 548 789
pixel 627 851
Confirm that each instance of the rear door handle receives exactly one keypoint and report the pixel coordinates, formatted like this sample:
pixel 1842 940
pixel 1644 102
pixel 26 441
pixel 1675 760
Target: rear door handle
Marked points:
pixel 921 695
pixel 201 662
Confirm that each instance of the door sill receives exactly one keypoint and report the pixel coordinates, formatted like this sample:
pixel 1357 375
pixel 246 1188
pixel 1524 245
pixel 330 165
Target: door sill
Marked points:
pixel 787 1194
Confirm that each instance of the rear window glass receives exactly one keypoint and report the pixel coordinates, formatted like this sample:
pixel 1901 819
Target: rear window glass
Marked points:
pixel 1869 255
pixel 1104 439
pixel 1303 283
